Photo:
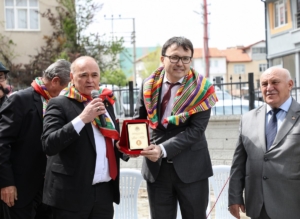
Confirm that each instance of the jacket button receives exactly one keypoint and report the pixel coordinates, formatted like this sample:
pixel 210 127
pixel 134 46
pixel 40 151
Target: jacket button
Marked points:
pixel 266 159
pixel 265 177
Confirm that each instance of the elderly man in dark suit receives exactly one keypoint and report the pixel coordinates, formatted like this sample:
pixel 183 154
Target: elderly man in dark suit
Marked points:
pixel 177 101
pixel 82 176
pixel 266 160
pixel 22 161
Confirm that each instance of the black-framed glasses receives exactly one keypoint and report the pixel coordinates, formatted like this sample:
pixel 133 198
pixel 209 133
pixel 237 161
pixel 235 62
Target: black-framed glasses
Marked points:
pixel 175 59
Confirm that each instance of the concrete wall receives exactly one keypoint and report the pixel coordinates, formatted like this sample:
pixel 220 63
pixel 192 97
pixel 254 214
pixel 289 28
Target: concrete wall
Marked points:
pixel 221 134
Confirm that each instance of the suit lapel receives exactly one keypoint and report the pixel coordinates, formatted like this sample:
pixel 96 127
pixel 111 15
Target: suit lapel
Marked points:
pixel 78 107
pixel 261 116
pixel 289 121
pixel 38 104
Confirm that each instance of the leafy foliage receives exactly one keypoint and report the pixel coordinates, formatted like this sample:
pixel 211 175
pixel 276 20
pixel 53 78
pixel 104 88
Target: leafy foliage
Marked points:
pixel 68 40
pixel 151 62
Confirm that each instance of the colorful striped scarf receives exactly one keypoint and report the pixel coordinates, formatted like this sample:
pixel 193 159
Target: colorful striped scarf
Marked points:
pixel 196 94
pixel 39 86
pixel 105 94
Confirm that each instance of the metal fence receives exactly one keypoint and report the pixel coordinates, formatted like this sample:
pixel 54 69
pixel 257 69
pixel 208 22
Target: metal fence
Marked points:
pixel 235 98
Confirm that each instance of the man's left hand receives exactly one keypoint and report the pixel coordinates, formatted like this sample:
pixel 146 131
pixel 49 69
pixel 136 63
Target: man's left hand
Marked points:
pixel 152 152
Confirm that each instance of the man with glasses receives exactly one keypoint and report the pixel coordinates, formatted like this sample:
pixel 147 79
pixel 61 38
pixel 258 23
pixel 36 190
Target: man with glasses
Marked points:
pixel 3 89
pixel 22 161
pixel 177 101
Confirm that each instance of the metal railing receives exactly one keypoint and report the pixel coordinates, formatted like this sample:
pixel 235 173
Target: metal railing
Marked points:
pixel 235 98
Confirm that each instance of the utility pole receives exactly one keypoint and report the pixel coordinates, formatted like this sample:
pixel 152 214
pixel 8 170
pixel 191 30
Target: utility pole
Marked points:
pixel 205 39
pixel 134 52
pixel 112 25
pixel 133 42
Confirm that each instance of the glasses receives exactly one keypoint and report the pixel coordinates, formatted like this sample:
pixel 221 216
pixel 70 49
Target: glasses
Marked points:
pixel 175 59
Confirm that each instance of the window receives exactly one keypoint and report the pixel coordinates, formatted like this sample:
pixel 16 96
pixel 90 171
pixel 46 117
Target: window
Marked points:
pixel 216 63
pixel 239 69
pixel 262 67
pixel 259 50
pixel 280 15
pixel 21 15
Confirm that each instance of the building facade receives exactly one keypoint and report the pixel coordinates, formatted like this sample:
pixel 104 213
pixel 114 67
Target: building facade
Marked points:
pixel 21 22
pixel 283 35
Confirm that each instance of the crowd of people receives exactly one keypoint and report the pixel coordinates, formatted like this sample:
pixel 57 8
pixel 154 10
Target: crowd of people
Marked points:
pixel 60 153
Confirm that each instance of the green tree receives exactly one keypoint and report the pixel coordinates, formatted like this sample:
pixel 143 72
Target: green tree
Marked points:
pixel 68 40
pixel 116 77
pixel 151 62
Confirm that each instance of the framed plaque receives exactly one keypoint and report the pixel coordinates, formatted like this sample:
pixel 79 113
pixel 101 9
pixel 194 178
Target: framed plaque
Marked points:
pixel 134 136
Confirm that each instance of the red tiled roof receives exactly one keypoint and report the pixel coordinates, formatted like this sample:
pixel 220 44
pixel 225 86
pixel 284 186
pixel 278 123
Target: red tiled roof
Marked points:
pixel 236 55
pixel 247 47
pixel 213 52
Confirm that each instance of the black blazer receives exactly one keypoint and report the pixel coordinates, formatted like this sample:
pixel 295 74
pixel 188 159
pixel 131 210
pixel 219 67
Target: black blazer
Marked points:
pixel 3 99
pixel 72 157
pixel 185 144
pixel 22 161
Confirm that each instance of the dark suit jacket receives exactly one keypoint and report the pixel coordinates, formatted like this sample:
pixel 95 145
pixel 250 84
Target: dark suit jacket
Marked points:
pixel 72 157
pixel 22 161
pixel 269 177
pixel 185 144
pixel 3 99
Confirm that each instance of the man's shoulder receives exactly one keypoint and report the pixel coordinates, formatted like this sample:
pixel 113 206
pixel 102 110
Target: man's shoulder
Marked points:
pixel 26 91
pixel 60 99
pixel 22 96
pixel 254 112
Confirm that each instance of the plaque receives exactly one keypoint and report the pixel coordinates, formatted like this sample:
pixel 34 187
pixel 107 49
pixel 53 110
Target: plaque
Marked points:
pixel 134 136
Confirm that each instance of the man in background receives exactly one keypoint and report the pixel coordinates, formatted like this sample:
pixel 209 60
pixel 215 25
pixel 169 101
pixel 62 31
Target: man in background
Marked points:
pixel 266 159
pixel 22 161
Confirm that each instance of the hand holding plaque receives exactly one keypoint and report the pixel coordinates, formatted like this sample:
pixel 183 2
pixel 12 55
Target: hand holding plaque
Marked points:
pixel 134 136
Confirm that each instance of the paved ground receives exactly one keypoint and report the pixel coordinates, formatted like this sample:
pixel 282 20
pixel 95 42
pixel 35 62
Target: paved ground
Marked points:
pixel 143 206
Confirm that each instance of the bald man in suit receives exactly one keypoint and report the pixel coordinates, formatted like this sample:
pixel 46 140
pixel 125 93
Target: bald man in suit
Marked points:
pixel 266 163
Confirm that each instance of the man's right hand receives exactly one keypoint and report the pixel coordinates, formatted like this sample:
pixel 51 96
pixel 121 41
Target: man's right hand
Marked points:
pixel 9 195
pixel 235 210
pixel 92 110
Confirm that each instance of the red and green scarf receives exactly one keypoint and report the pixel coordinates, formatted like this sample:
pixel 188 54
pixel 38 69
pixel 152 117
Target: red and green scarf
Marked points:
pixel 39 86
pixel 105 94
pixel 196 94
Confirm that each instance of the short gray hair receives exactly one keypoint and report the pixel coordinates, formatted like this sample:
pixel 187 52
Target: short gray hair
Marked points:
pixel 60 68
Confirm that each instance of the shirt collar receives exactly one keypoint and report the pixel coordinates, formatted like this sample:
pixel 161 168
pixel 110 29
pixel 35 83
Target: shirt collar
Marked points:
pixel 165 80
pixel 285 106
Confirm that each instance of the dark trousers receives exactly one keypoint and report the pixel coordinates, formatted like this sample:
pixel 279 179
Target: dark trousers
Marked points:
pixel 168 189
pixel 263 214
pixel 34 210
pixel 97 205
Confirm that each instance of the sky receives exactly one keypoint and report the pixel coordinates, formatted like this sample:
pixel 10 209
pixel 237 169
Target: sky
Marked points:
pixel 231 22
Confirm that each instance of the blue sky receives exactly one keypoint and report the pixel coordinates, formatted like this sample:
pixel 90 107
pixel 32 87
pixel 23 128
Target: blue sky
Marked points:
pixel 232 22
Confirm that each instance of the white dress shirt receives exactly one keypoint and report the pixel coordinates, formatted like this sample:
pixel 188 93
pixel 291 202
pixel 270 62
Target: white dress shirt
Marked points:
pixel 101 167
pixel 169 107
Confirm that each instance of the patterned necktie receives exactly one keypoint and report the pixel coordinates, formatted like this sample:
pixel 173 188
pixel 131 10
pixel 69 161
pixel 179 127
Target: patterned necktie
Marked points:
pixel 166 98
pixel 271 129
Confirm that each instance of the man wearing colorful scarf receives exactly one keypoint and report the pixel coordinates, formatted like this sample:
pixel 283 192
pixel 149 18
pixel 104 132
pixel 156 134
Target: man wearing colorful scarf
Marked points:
pixel 177 163
pixel 22 161
pixel 82 176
